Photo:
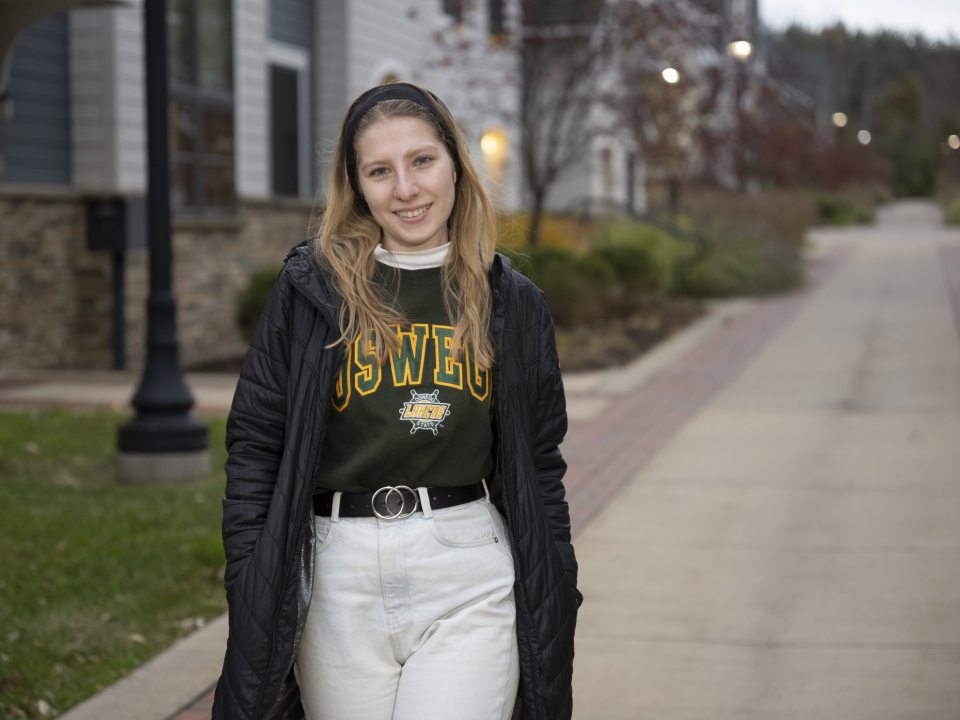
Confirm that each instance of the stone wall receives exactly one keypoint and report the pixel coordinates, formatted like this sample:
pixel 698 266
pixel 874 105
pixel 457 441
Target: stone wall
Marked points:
pixel 213 260
pixel 56 296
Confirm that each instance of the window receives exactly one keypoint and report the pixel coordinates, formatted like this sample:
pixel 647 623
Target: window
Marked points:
pixel 495 20
pixel 495 146
pixel 283 131
pixel 454 8
pixel 606 173
pixel 200 66
pixel 290 127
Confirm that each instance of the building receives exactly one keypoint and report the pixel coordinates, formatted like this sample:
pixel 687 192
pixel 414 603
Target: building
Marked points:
pixel 257 92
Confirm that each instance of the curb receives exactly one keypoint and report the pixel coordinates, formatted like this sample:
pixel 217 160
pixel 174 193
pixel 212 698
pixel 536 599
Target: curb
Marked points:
pixel 163 686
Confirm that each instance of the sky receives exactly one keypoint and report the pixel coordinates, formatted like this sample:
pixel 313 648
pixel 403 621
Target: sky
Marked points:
pixel 935 19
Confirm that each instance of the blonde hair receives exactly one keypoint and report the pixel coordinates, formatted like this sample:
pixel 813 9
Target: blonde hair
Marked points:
pixel 346 236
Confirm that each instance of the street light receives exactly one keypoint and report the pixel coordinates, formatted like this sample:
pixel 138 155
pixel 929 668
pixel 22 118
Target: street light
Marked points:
pixel 840 119
pixel 864 137
pixel 670 75
pixel 163 441
pixel 741 51
pixel 953 142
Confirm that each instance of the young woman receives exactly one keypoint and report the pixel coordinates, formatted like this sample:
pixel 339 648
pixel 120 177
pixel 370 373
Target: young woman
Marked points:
pixel 396 533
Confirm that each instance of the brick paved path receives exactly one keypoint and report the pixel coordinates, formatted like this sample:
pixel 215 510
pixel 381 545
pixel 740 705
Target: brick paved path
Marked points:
pixel 628 428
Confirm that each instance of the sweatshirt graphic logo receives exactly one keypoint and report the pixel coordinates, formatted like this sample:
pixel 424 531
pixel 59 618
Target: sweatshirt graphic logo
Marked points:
pixel 424 411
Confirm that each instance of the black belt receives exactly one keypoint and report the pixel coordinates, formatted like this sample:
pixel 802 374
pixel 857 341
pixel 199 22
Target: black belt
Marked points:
pixel 395 502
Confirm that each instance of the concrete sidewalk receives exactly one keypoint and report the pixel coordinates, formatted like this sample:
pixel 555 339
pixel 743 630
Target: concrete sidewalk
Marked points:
pixel 764 506
pixel 793 551
pixel 79 390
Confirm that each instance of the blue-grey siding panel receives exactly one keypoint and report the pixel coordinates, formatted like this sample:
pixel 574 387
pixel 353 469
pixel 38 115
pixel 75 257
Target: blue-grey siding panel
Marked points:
pixel 291 21
pixel 35 144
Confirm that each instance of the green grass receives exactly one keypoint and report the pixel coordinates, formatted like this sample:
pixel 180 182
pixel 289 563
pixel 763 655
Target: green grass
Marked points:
pixel 96 576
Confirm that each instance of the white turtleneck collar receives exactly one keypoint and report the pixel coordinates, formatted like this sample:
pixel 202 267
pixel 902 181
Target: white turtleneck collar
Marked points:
pixel 413 260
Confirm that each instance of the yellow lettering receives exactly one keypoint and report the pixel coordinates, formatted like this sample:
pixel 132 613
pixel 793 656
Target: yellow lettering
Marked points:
pixel 478 379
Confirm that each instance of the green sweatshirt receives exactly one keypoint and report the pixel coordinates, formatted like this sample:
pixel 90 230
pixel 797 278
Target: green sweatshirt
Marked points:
pixel 423 417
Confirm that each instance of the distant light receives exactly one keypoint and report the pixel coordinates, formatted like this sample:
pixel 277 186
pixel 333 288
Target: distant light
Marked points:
pixel 489 143
pixel 671 75
pixel 494 144
pixel 864 137
pixel 954 142
pixel 740 49
pixel 840 119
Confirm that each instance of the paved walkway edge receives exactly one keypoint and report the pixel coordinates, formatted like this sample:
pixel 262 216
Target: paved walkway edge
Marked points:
pixel 164 685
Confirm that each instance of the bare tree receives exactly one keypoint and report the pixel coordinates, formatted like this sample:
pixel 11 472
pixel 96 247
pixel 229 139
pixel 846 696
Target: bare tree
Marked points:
pixel 564 49
pixel 566 52
pixel 673 81
pixel 590 68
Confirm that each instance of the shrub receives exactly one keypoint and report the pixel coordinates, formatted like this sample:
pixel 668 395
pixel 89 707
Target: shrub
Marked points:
pixel 835 209
pixel 742 261
pixel 631 265
pixel 252 299
pixel 650 254
pixel 952 214
pixel 558 232
pixel 781 213
pixel 578 287
pixel 512 232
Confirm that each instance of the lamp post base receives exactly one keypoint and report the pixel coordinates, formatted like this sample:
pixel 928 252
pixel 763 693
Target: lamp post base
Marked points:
pixel 139 467
pixel 162 447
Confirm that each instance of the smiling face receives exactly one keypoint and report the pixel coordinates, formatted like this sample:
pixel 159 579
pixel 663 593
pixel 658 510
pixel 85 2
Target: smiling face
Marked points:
pixel 407 177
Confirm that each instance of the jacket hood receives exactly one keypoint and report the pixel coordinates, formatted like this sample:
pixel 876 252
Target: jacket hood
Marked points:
pixel 313 280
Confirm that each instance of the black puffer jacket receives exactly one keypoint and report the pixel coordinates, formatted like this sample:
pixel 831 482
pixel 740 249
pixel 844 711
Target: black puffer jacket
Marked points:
pixel 274 433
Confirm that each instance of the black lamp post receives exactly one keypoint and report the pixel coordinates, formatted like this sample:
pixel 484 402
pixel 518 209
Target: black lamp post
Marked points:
pixel 163 440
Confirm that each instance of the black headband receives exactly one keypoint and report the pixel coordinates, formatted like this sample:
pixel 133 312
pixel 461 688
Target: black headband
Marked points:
pixel 392 91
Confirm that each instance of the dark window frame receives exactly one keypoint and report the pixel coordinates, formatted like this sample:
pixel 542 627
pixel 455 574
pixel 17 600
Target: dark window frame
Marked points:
pixel 203 101
pixel 454 9
pixel 276 184
pixel 496 19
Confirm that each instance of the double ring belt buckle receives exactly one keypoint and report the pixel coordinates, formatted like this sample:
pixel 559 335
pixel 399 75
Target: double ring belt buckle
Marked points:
pixel 394 494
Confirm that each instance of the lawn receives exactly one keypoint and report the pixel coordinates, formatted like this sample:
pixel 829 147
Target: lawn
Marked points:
pixel 96 576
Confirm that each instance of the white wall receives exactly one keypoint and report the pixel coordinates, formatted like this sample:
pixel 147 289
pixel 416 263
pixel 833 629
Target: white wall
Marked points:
pixel 130 139
pixel 108 104
pixel 108 132
pixel 251 100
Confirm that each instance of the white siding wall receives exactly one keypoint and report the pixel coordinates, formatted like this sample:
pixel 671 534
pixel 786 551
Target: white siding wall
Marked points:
pixel 93 119
pixel 330 80
pixel 108 124
pixel 574 183
pixel 130 145
pixel 251 103
pixel 108 103
pixel 356 45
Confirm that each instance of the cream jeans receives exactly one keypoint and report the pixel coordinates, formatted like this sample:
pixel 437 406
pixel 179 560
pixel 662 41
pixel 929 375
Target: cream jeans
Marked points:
pixel 411 619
